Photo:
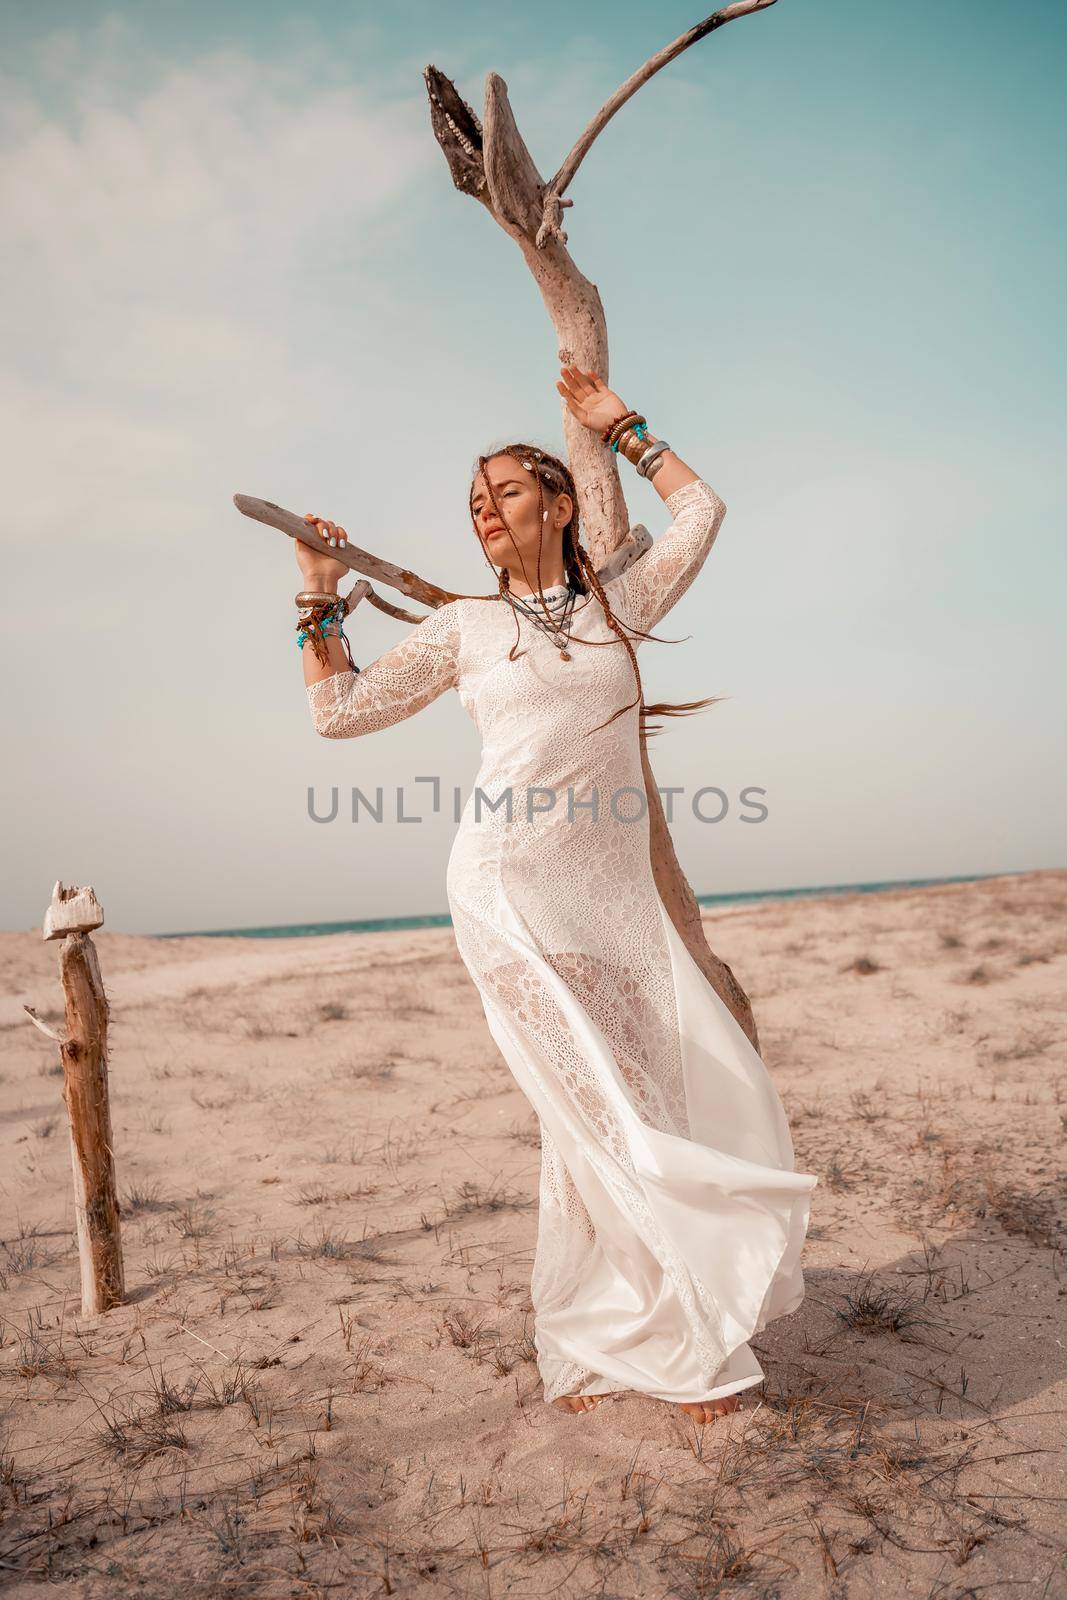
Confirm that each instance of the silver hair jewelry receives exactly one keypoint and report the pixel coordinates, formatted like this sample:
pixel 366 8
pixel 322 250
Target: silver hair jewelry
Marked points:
pixel 545 469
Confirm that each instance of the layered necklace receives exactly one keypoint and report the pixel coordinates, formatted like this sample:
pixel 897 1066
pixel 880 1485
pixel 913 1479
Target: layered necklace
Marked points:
pixel 559 601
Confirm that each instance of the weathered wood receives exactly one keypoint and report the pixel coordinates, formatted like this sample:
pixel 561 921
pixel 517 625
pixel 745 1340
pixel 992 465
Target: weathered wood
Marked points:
pixel 85 1090
pixel 458 131
pixel 489 161
pixel 49 1033
pixel 83 1050
pixel 72 911
pixel 409 583
pixel 633 546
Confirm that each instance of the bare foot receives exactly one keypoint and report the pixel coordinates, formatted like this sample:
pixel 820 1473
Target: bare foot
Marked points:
pixel 708 1410
pixel 578 1402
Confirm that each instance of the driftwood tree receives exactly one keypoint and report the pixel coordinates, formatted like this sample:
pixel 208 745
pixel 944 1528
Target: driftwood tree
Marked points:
pixel 489 161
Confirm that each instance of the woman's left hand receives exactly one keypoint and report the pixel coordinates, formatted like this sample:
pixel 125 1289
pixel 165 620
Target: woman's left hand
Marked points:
pixel 589 398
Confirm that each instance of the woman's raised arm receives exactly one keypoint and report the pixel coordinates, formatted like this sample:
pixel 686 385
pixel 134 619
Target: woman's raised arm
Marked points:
pixel 648 589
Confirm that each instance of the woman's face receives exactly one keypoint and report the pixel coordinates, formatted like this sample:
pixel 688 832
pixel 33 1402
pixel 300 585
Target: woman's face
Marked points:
pixel 516 494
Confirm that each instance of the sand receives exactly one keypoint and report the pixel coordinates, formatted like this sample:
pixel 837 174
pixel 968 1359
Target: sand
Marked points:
pixel 323 1382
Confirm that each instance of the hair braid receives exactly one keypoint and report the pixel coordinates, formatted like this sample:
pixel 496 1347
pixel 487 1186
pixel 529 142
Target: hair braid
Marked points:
pixel 554 474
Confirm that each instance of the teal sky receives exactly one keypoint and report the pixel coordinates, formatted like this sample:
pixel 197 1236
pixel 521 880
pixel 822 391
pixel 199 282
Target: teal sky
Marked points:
pixel 830 243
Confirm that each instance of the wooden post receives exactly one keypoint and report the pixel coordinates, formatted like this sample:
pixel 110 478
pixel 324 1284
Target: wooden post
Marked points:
pixel 71 917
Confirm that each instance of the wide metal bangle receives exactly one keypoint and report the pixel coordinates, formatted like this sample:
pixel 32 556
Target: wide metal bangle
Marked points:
pixel 653 452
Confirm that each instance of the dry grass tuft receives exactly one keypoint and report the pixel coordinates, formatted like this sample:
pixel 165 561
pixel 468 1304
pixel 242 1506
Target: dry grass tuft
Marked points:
pixel 136 1437
pixel 473 1197
pixel 142 1197
pixel 871 1308
pixel 27 1251
pixel 193 1220
pixel 864 965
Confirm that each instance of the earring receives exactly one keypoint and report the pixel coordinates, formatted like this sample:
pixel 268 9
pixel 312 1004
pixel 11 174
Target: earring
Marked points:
pixel 544 517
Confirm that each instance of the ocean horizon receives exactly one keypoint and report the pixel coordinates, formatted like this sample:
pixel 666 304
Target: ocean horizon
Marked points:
pixel 443 920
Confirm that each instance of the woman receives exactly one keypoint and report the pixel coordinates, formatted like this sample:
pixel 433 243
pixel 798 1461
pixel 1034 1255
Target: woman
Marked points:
pixel 671 1218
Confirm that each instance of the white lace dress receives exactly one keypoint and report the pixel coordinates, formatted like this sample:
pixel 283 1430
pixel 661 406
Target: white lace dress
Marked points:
pixel 671 1218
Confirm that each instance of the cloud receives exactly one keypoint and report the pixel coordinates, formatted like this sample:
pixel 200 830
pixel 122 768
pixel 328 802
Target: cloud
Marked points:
pixel 205 173
pixel 172 231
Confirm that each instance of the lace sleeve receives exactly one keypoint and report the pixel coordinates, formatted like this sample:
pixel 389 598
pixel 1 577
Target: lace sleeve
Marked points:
pixel 658 580
pixel 411 674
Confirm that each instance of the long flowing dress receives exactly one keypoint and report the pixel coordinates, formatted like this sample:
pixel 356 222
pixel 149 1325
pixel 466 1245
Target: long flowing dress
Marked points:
pixel 671 1218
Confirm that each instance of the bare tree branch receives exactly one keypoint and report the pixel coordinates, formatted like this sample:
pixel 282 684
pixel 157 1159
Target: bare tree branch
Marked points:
pixel 637 541
pixel 31 1011
pixel 409 583
pixel 557 186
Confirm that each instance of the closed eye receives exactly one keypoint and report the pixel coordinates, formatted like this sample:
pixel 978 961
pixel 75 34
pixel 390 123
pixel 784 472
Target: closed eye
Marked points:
pixel 504 496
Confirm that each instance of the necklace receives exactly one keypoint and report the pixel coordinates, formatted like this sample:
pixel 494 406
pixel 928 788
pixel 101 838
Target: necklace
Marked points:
pixel 560 601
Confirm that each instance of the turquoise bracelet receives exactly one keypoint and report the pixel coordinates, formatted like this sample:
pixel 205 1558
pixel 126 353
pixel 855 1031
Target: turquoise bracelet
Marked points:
pixel 641 430
pixel 328 628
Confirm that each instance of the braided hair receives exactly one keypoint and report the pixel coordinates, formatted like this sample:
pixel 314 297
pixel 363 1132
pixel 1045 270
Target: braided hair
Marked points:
pixel 554 475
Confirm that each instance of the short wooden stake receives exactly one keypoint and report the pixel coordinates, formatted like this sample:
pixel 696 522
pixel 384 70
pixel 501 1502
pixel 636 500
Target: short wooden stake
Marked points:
pixel 71 917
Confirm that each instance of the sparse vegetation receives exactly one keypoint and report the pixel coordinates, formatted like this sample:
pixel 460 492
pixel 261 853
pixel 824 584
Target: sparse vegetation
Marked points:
pixel 864 965
pixel 325 1378
pixel 878 1308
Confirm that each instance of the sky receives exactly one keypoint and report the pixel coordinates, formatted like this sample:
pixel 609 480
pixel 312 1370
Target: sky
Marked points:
pixel 829 240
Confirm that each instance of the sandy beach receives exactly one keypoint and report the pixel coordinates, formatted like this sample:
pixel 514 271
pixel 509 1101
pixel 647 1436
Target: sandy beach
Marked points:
pixel 323 1378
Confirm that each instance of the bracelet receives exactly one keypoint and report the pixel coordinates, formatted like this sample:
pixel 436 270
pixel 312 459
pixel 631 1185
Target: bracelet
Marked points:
pixel 640 432
pixel 319 623
pixel 633 445
pixel 319 616
pixel 617 429
pixel 623 425
pixel 308 601
pixel 318 633
pixel 609 432
pixel 644 454
pixel 319 630
pixel 651 461
pixel 628 436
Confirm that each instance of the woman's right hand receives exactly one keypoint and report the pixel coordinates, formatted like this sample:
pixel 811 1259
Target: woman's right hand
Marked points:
pixel 317 569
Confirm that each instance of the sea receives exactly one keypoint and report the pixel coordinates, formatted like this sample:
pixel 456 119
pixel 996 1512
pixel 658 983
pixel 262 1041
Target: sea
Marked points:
pixel 293 930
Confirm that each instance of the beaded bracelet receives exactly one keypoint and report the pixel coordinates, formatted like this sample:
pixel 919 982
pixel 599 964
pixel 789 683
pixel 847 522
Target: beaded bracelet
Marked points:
pixel 319 630
pixel 622 425
pixel 647 458
pixel 319 623
pixel 617 426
